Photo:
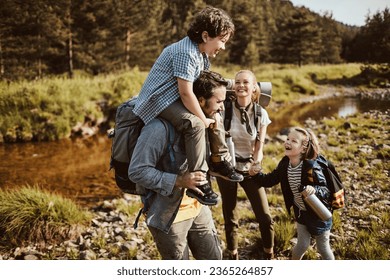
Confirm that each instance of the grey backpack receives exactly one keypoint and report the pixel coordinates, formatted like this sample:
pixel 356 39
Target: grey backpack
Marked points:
pixel 124 137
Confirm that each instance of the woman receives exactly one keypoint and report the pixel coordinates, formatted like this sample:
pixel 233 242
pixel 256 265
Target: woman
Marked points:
pixel 248 134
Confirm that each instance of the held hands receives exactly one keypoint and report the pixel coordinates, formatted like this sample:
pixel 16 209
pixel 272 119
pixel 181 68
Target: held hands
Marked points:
pixel 255 168
pixel 190 180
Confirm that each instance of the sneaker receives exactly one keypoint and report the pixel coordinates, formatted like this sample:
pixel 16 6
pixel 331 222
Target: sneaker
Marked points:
pixel 225 170
pixel 209 197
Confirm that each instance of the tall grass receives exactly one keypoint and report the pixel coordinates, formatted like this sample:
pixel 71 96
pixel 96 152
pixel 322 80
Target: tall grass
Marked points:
pixel 48 109
pixel 30 215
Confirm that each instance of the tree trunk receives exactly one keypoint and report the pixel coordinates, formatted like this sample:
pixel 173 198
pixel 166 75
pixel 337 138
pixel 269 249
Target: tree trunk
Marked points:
pixel 1 61
pixel 127 47
pixel 70 42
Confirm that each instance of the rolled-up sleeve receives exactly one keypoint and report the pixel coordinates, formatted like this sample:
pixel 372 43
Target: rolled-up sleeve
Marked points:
pixel 144 166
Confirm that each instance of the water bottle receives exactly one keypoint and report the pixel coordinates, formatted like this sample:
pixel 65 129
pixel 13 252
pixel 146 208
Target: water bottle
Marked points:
pixel 230 144
pixel 316 205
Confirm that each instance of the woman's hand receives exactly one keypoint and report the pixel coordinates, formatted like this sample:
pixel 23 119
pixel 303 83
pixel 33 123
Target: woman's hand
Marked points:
pixel 255 168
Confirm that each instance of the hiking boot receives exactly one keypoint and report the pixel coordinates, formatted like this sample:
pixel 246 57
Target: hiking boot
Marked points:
pixel 225 170
pixel 209 197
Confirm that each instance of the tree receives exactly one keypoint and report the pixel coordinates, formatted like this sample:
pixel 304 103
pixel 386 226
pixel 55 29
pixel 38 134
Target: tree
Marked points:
pixel 330 40
pixel 298 39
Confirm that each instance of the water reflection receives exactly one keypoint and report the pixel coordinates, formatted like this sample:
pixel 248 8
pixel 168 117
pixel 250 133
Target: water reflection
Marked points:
pixel 349 107
pixel 340 106
pixel 79 169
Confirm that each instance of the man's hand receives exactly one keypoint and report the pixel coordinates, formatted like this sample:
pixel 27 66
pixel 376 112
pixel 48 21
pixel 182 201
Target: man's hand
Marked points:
pixel 190 180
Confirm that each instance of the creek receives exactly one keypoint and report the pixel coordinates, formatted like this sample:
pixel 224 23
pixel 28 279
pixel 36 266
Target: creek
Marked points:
pixel 79 169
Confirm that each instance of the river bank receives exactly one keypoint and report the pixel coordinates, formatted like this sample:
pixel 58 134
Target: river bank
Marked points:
pixel 359 147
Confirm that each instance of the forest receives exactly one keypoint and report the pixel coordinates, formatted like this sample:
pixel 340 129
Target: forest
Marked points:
pixel 45 38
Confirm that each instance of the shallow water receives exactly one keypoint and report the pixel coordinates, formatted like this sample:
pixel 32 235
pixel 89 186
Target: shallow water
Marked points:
pixel 78 169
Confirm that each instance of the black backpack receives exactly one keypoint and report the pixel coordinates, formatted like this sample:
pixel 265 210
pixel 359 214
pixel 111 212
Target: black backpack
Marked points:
pixel 124 137
pixel 334 184
pixel 229 103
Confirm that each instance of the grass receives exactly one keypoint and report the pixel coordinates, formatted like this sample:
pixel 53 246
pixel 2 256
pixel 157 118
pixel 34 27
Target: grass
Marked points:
pixel 30 215
pixel 48 109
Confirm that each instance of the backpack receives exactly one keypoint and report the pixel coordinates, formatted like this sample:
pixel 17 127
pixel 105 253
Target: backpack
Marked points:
pixel 228 104
pixel 124 137
pixel 333 182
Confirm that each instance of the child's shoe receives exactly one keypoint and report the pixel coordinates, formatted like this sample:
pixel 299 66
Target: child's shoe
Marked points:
pixel 209 197
pixel 225 170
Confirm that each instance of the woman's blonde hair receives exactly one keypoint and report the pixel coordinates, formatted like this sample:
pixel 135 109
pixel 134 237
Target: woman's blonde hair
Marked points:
pixel 256 93
pixel 310 143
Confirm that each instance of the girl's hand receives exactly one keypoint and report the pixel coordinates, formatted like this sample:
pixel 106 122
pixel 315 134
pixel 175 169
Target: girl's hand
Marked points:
pixel 309 190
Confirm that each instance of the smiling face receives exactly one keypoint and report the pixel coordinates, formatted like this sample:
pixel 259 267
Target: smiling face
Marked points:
pixel 212 46
pixel 215 103
pixel 245 84
pixel 293 146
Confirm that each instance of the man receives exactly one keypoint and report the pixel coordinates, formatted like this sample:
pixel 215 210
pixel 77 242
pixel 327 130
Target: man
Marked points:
pixel 176 221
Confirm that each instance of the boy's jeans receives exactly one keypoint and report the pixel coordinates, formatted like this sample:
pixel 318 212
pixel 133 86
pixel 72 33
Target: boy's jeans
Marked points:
pixel 198 234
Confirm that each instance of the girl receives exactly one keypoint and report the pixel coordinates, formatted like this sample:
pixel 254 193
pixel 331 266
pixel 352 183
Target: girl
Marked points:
pixel 248 138
pixel 299 168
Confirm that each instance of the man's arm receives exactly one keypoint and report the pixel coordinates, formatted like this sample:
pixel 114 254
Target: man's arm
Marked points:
pixel 151 146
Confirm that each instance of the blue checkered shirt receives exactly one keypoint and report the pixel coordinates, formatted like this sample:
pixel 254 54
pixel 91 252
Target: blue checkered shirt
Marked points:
pixel 160 89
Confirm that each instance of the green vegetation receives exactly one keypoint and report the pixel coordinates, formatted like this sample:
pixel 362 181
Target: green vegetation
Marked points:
pixel 30 215
pixel 49 109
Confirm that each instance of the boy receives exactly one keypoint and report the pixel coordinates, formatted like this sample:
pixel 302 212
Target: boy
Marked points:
pixel 168 93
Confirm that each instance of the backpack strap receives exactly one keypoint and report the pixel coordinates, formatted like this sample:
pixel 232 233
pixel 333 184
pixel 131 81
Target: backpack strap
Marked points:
pixel 229 113
pixel 228 104
pixel 171 137
pixel 257 113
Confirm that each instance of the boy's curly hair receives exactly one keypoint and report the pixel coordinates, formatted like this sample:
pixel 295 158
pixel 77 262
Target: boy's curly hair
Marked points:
pixel 213 20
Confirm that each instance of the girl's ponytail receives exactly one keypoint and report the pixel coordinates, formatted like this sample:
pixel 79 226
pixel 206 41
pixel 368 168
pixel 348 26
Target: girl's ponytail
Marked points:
pixel 311 145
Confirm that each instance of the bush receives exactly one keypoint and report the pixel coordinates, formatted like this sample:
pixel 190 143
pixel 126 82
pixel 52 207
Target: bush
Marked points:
pixel 30 215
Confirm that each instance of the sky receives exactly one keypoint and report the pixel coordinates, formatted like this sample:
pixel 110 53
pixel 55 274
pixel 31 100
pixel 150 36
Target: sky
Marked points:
pixel 351 12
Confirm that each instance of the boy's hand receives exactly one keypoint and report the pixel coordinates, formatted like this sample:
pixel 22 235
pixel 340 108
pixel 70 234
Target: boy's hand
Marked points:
pixel 209 123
